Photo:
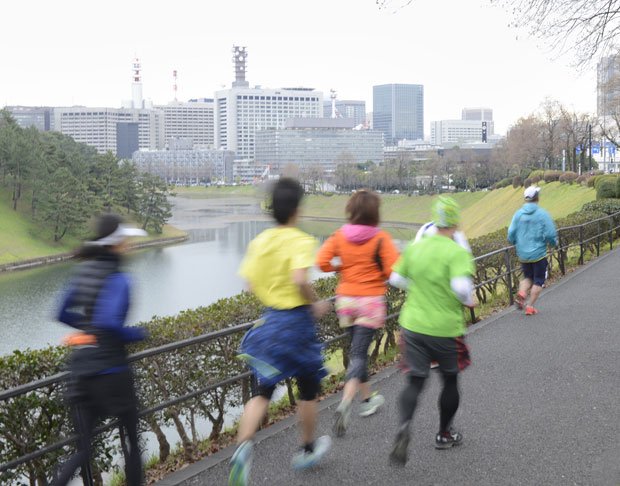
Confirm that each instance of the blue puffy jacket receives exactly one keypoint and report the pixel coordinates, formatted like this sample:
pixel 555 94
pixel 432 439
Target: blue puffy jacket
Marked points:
pixel 531 230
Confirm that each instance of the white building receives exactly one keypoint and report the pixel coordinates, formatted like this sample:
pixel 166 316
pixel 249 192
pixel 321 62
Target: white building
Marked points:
pixel 181 164
pixel 192 120
pixel 98 127
pixel 458 131
pixel 479 114
pixel 240 111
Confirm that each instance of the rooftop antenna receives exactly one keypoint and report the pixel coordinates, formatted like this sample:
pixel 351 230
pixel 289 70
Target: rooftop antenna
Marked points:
pixel 332 95
pixel 240 56
pixel 174 86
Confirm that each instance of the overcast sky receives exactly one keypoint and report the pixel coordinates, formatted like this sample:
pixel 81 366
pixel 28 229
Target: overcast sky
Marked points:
pixel 67 52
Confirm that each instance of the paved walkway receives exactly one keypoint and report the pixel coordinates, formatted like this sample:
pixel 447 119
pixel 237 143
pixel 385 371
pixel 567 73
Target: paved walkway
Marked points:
pixel 540 406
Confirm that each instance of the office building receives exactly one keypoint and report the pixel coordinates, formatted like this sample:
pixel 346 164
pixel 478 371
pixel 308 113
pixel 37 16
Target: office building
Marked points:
pixel 192 120
pixel 398 111
pixel 98 127
pixel 241 110
pixel 608 86
pixel 127 139
pixel 182 164
pixel 477 114
pixel 454 132
pixel 353 109
pixel 320 142
pixel 39 117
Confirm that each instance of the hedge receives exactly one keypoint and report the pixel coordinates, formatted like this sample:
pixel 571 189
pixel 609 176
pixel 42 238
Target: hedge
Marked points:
pixel 568 177
pixel 517 182
pixel 606 189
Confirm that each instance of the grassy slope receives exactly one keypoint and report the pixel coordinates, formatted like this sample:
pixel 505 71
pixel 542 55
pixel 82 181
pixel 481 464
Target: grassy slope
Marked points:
pixel 200 192
pixel 483 212
pixel 22 239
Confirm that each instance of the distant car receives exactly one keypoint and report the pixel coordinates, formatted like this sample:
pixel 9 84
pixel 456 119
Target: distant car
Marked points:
pixel 379 191
pixel 395 191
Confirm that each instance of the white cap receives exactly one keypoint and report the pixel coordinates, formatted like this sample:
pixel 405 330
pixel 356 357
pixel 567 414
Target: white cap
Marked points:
pixel 118 236
pixel 531 192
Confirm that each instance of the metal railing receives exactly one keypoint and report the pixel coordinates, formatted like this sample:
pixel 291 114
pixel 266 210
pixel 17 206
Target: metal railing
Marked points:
pixel 506 274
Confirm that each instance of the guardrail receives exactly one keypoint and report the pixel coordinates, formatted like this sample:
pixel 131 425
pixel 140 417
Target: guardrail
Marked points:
pixel 507 270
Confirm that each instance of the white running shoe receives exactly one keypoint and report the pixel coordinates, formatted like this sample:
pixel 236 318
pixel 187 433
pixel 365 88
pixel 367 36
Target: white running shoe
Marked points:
pixel 304 459
pixel 342 417
pixel 372 405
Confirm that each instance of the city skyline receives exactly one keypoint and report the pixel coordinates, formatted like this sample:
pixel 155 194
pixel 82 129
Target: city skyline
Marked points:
pixel 55 59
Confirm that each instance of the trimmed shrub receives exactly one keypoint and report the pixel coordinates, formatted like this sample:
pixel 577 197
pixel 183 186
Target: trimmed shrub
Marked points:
pixel 582 179
pixel 607 206
pixel 503 183
pixel 537 173
pixel 552 175
pixel 527 182
pixel 606 189
pixel 517 181
pixel 568 177
pixel 535 179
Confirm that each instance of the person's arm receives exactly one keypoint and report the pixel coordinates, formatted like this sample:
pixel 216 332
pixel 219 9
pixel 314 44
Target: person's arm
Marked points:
pixel 460 238
pixel 388 254
pixel 66 314
pixel 110 310
pixel 512 230
pixel 398 281
pixel 551 234
pixel 301 262
pixel 461 270
pixel 325 255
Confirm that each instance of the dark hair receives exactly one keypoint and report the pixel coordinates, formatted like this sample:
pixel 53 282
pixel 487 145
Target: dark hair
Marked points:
pixel 363 208
pixel 105 225
pixel 285 198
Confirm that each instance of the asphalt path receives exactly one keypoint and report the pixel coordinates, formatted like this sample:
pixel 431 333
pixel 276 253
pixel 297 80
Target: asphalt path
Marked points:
pixel 540 405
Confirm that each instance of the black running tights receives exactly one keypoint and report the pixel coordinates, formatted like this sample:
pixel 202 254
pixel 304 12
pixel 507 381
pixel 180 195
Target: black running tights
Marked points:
pixel 448 400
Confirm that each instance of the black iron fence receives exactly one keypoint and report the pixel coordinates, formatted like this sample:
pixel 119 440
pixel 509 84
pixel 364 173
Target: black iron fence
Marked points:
pixel 494 268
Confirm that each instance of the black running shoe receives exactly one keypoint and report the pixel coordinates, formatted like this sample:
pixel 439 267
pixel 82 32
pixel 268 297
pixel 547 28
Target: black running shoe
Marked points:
pixel 398 456
pixel 446 440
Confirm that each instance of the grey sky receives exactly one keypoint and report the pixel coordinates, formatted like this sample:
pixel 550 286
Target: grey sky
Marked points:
pixel 78 52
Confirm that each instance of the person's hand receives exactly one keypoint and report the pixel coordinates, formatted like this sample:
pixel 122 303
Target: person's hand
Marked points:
pixel 320 308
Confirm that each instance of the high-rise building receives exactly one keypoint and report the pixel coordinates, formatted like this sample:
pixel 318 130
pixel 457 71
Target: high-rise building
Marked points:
pixel 354 109
pixel 39 117
pixel 127 139
pixel 98 127
pixel 240 111
pixel 192 120
pixel 608 86
pixel 317 142
pixel 446 132
pixel 477 114
pixel 398 111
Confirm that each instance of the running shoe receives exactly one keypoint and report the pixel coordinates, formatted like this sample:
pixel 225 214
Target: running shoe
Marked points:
pixel 520 300
pixel 446 440
pixel 342 417
pixel 306 459
pixel 398 456
pixel 372 405
pixel 530 311
pixel 434 365
pixel 240 465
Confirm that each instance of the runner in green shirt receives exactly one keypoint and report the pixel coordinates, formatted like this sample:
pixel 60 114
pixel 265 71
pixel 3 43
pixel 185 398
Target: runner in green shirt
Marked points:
pixel 437 274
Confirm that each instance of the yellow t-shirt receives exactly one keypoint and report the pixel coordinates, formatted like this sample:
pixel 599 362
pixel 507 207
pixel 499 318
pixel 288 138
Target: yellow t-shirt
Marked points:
pixel 269 263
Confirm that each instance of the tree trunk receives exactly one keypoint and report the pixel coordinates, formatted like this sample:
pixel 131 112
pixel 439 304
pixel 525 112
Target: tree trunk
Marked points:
pixel 164 445
pixel 188 448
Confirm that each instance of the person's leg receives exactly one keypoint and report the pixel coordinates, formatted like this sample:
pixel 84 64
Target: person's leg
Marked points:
pixel 448 402
pixel 253 414
pixel 524 286
pixel 312 450
pixel 133 465
pixel 84 418
pixel 540 273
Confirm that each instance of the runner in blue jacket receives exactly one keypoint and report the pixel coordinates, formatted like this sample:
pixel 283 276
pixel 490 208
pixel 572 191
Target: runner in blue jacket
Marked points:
pixel 531 231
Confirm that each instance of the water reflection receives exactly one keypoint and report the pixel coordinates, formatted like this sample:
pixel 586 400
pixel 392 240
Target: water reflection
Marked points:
pixel 168 280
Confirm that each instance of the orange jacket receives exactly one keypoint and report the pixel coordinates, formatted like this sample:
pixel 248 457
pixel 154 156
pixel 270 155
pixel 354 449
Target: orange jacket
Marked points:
pixel 360 275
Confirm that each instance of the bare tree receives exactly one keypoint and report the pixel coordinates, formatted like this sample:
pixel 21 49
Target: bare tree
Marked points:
pixel 587 28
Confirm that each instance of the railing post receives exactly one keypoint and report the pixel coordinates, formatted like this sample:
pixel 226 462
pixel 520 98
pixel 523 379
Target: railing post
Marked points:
pixel 611 233
pixel 581 245
pixel 561 255
pixel 472 314
pixel 509 272
pixel 598 238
